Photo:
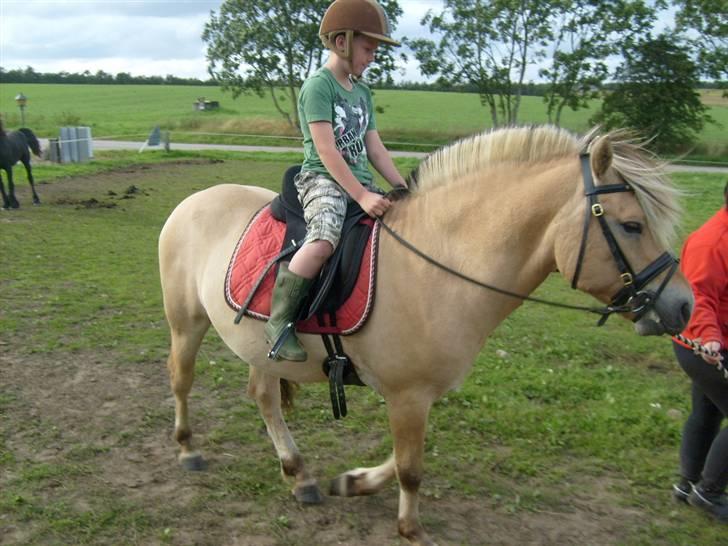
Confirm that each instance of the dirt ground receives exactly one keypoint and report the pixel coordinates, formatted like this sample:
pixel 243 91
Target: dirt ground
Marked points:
pixel 69 399
pixel 85 399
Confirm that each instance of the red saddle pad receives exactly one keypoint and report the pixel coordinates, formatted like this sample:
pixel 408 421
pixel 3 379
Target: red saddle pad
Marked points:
pixel 261 241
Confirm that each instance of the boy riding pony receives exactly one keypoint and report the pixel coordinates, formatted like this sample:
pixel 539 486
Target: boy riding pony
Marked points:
pixel 339 140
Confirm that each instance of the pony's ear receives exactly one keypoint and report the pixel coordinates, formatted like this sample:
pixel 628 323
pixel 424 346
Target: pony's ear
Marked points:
pixel 601 156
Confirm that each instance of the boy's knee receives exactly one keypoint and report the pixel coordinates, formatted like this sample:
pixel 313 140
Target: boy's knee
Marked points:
pixel 322 249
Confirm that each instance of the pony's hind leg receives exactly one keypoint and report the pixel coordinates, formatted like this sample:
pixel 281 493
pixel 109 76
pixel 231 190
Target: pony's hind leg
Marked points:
pixel 186 340
pixel 28 170
pixel 265 389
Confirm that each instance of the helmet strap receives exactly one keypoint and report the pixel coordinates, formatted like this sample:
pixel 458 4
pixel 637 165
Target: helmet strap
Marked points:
pixel 348 50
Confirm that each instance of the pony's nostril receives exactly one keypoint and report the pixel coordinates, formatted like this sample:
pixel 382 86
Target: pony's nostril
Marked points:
pixel 685 312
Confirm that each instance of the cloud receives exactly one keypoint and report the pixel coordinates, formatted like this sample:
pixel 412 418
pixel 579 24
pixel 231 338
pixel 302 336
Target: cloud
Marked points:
pixel 52 9
pixel 142 37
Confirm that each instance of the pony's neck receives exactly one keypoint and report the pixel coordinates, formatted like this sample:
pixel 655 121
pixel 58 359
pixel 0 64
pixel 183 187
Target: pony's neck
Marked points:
pixel 500 218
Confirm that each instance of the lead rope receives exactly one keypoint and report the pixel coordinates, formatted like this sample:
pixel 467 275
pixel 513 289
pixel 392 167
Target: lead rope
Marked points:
pixel 700 349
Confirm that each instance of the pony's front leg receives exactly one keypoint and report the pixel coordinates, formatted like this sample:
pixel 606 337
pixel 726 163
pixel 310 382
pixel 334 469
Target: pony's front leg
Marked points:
pixel 408 421
pixel 364 481
pixel 265 389
pixel 408 412
pixel 28 170
pixel 11 201
pixel 6 200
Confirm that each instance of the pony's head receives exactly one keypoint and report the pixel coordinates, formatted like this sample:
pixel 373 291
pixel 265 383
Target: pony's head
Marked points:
pixel 33 143
pixel 617 244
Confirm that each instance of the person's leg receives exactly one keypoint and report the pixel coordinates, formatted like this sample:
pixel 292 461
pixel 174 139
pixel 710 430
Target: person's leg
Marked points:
pixel 324 208
pixel 308 261
pixel 704 449
pixel 715 388
pixel 715 471
pixel 699 430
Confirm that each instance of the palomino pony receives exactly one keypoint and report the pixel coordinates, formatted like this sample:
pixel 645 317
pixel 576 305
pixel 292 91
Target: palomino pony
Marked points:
pixel 14 147
pixel 505 208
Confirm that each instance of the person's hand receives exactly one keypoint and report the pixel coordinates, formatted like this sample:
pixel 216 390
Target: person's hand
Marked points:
pixel 714 347
pixel 374 204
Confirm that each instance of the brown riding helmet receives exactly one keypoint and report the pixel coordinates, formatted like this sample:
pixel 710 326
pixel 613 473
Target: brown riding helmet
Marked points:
pixel 354 16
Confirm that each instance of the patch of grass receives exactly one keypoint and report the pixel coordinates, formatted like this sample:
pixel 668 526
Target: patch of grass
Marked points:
pixel 58 522
pixel 408 120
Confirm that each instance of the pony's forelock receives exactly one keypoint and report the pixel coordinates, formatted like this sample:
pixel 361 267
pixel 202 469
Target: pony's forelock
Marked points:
pixel 646 174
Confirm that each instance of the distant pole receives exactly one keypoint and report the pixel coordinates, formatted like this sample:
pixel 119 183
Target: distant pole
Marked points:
pixel 21 100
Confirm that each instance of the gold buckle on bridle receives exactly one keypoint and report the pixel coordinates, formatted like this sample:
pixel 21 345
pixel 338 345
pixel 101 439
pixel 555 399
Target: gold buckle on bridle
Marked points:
pixel 597 209
pixel 627 278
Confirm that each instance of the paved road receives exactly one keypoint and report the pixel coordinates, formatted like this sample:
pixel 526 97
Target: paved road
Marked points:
pixel 128 145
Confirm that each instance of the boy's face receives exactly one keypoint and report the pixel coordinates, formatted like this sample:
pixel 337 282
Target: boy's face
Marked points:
pixel 364 50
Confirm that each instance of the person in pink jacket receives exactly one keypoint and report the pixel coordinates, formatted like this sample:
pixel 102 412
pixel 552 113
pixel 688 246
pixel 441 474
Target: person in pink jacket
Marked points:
pixel 704 446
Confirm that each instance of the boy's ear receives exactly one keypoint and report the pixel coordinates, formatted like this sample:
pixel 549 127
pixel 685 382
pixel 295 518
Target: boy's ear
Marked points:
pixel 343 47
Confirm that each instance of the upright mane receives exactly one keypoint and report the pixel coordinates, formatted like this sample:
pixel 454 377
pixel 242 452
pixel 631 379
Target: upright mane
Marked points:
pixel 534 144
pixel 520 145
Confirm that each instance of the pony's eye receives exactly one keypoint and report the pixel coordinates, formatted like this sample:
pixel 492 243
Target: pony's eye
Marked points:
pixel 632 227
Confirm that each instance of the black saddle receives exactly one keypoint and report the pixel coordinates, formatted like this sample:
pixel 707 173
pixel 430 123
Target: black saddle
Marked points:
pixel 338 277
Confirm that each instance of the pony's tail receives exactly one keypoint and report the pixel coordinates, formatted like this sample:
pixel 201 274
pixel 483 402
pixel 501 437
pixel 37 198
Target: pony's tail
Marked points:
pixel 2 128
pixel 32 141
pixel 288 393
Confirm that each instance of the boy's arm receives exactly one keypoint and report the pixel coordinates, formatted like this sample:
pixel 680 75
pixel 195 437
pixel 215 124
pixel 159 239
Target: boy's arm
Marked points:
pixel 322 135
pixel 382 161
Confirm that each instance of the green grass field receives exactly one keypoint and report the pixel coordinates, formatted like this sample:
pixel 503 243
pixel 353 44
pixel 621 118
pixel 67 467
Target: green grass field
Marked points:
pixel 568 420
pixel 420 117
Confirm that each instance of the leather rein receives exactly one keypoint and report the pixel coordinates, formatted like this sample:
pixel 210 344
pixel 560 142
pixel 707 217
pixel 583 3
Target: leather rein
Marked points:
pixel 631 298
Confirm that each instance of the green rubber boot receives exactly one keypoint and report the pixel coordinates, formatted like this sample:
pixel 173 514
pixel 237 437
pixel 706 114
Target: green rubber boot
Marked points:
pixel 289 293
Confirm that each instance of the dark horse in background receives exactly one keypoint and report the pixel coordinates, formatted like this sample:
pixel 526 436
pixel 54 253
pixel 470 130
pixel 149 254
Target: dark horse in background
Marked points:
pixel 16 146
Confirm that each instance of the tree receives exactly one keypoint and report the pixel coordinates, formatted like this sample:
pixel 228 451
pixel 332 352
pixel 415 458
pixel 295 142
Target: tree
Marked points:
pixel 656 95
pixel 586 33
pixel 709 18
pixel 489 44
pixel 265 46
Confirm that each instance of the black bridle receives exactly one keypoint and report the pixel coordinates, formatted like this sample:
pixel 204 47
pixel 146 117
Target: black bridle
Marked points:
pixel 631 298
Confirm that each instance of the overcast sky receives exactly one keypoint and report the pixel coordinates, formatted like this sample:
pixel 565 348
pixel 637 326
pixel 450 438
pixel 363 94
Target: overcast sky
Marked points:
pixel 142 37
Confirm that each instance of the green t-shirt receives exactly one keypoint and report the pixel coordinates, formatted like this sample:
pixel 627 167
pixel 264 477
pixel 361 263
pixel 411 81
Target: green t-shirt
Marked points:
pixel 351 115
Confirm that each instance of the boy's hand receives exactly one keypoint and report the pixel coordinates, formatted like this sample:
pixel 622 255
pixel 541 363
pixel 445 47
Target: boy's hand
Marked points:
pixel 374 204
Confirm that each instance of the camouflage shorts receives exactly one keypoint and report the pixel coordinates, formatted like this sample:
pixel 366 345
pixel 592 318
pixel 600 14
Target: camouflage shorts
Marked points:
pixel 324 205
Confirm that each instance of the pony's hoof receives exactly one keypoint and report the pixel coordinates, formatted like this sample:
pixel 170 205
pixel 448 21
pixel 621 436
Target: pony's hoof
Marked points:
pixel 193 462
pixel 36 202
pixel 308 494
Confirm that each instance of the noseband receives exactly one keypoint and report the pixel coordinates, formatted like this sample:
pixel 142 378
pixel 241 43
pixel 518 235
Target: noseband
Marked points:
pixel 632 297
